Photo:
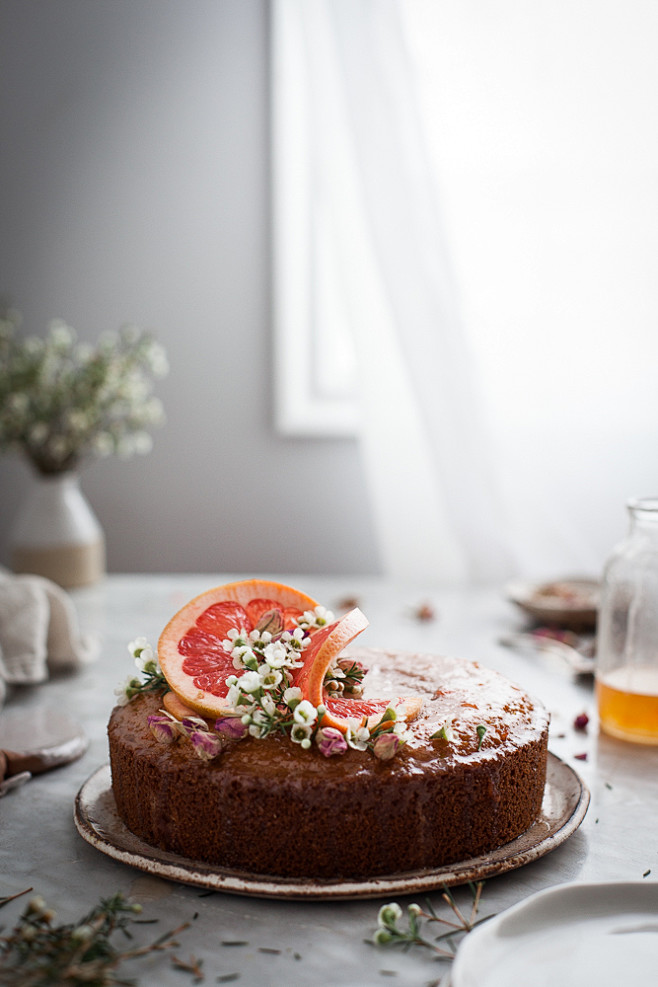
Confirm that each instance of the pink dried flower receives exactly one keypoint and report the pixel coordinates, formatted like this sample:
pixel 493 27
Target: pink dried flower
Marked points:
pixel 163 729
pixel 386 746
pixel 425 612
pixel 206 745
pixel 192 723
pixel 231 727
pixel 581 721
pixel 581 757
pixel 331 741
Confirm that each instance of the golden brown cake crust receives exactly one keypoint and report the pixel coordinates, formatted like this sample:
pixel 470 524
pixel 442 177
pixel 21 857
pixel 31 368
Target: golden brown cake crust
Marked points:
pixel 269 807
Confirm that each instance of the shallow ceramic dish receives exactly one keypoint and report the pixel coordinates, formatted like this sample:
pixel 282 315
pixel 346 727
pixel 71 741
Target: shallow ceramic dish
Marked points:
pixel 571 603
pixel 565 803
pixel 574 934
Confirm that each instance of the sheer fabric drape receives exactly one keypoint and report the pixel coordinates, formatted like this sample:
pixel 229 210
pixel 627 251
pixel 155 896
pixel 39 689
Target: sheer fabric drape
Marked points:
pixel 372 206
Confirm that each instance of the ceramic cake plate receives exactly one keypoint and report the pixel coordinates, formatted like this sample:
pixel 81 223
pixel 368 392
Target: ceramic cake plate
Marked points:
pixel 566 799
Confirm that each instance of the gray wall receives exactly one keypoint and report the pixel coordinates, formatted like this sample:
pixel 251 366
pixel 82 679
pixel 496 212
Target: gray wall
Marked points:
pixel 134 188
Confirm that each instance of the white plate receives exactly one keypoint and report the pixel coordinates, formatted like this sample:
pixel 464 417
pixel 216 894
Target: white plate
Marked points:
pixel 573 935
pixel 565 803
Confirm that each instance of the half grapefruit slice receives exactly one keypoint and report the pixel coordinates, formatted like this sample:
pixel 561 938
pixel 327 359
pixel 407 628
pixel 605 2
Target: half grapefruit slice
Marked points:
pixel 191 649
pixel 327 644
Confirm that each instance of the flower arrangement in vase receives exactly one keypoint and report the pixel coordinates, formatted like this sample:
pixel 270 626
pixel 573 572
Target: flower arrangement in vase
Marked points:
pixel 62 403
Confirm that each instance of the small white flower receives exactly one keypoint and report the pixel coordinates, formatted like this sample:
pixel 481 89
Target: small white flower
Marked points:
pixel 234 694
pixel 319 617
pixel 82 933
pixel 305 712
pixel 61 334
pixel 389 914
pixel 136 646
pixel 250 682
pixel 357 736
pixel 244 657
pixel 268 705
pixel 38 433
pixel 37 905
pixel 299 734
pixel 18 403
pixel 142 443
pixel 83 353
pixel 122 692
pixel 58 447
pixel 296 639
pixel 157 359
pixel 144 658
pixel 153 412
pixel 292 695
pixel 103 444
pixel 276 655
pixel 269 677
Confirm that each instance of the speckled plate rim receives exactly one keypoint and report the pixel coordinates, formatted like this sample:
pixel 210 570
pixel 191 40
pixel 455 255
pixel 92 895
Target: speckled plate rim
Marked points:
pixel 566 799
pixel 528 596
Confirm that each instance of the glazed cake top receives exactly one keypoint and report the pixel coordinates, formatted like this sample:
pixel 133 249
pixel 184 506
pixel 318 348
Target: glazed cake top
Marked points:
pixel 458 694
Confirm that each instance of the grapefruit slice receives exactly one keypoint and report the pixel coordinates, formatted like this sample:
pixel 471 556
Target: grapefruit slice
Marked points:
pixel 178 709
pixel 191 649
pixel 326 645
pixel 368 711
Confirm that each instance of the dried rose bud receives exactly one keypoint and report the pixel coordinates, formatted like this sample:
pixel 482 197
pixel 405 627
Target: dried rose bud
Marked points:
pixel 581 721
pixel 206 745
pixel 386 746
pixel 425 612
pixel 192 723
pixel 331 741
pixel 231 727
pixel 581 757
pixel 163 729
pixel 272 622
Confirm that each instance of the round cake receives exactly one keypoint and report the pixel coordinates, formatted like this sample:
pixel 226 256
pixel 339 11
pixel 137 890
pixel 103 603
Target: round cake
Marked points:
pixel 270 807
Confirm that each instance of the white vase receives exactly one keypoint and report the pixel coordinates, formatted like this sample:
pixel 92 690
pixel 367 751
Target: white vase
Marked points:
pixel 56 533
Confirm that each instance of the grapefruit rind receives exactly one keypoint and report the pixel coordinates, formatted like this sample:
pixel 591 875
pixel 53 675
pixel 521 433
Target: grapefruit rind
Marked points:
pixel 174 705
pixel 326 646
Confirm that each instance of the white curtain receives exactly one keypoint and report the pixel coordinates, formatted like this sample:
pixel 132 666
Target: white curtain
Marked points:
pixel 502 431
pixel 377 226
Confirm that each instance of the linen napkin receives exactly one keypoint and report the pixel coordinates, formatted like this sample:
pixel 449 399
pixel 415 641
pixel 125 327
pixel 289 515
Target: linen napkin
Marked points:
pixel 39 631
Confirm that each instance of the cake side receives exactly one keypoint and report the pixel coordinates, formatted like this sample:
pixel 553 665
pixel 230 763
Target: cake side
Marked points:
pixel 270 807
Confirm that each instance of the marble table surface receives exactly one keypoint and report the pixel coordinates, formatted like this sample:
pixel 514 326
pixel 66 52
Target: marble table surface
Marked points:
pixel 320 942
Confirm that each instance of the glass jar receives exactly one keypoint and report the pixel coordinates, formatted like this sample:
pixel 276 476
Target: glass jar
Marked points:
pixel 627 631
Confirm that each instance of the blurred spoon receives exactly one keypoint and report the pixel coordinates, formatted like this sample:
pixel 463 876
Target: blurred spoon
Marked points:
pixel 579 663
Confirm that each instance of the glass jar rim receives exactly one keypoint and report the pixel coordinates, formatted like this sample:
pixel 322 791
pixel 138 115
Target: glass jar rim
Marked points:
pixel 643 505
